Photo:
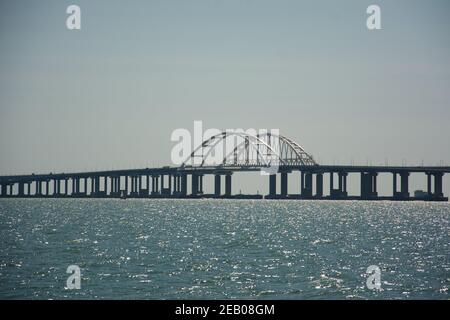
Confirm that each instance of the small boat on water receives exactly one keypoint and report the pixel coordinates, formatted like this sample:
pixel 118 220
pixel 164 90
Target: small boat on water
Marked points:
pixel 123 196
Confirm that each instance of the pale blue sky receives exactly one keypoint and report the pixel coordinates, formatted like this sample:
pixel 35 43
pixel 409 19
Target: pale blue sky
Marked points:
pixel 109 95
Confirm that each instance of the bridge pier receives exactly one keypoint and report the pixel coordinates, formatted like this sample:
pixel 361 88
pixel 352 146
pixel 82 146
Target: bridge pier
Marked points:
pixel 272 185
pixel 118 189
pixel 55 187
pixel 126 185
pixel 341 191
pixel 8 190
pixel 134 186
pixel 369 185
pixel 65 187
pixel 438 185
pixel 85 185
pixel 183 185
pixel 97 186
pixel 284 184
pixel 115 186
pixel 176 185
pixel 155 184
pixel 166 191
pixel 228 185
pixel 404 186
pixel 105 186
pixel 217 192
pixel 319 185
pixel 197 184
pixel 306 185
pixel 92 192
pixel 111 186
pixel 148 185
pixel 21 189
pixel 436 194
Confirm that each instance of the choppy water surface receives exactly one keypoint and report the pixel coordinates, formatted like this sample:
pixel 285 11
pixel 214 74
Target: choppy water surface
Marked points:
pixel 165 249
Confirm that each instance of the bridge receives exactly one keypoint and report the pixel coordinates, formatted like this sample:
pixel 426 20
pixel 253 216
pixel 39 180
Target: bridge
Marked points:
pixel 274 155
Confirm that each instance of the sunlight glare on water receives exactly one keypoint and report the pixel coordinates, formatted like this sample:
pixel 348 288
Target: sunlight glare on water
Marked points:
pixel 195 249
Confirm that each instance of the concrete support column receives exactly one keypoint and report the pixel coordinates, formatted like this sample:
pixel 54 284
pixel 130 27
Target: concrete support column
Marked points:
pixel 307 189
pixel 394 184
pixel 175 184
pixel 344 177
pixel 438 184
pixel 105 185
pixel 73 186
pixel 228 185
pixel 170 184
pixel 331 183
pixel 162 184
pixel 184 185
pixel 200 184
pixel 194 185
pixel 132 185
pixel 217 191
pixel 272 184
pixel 302 182
pixel 367 185
pixel 21 189
pixel 429 190
pixel 97 185
pixel 139 184
pixel 92 186
pixel 319 185
pixel 155 184
pixel 284 184
pixel 404 188
pixel 111 186
pixel 374 184
pixel 126 185
pixel 136 184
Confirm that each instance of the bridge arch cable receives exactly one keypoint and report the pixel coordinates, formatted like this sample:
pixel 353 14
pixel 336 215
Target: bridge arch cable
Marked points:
pixel 253 150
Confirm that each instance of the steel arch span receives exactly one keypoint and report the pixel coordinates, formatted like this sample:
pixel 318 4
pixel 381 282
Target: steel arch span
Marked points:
pixel 243 149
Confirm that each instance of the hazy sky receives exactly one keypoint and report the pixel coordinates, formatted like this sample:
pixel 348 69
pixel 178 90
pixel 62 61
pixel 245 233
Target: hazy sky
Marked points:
pixel 110 95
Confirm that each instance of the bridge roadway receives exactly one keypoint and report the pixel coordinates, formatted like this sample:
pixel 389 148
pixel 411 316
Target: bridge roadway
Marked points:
pixel 172 182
